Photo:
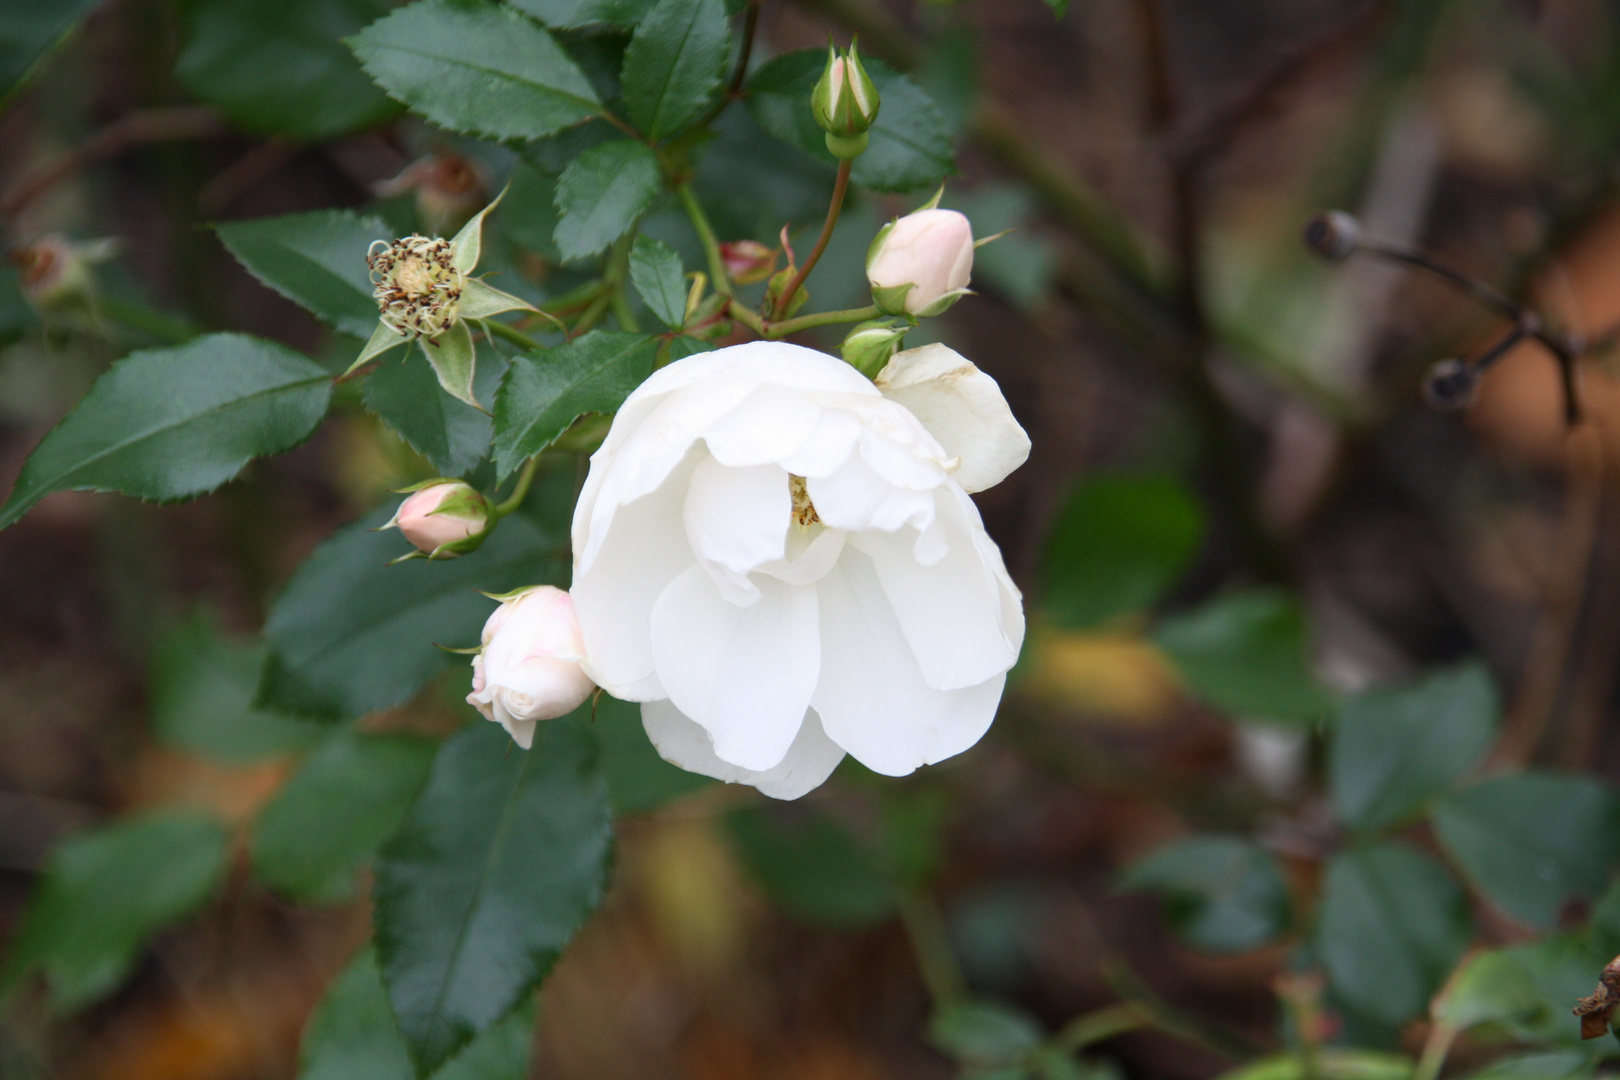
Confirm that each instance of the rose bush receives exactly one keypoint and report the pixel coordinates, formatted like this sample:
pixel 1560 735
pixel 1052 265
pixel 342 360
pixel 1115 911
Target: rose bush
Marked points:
pixel 784 565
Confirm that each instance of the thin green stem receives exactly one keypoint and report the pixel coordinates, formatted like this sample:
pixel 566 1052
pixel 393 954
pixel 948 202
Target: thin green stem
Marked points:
pixel 1435 1049
pixel 740 311
pixel 705 232
pixel 515 500
pixel 834 208
pixel 618 269
pixel 1128 985
pixel 936 963
pixel 592 315
pixel 501 330
pixel 1101 1025
pixel 821 318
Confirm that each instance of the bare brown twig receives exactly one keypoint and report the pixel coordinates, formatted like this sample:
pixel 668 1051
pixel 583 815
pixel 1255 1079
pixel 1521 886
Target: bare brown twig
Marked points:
pixel 130 130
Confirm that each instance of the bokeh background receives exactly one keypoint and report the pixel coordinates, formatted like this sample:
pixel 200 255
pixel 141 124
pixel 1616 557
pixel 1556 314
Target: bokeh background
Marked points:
pixel 1270 400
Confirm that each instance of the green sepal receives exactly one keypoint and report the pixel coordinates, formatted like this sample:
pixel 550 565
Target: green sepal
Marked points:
pixel 480 300
pixel 983 240
pixel 383 338
pixel 407 557
pixel 474 651
pixel 877 242
pixel 933 203
pixel 847 147
pixel 418 486
pixel 869 345
pixel 467 247
pixel 891 299
pixel 943 304
pixel 457 548
pixel 502 598
pixel 453 357
pixel 778 282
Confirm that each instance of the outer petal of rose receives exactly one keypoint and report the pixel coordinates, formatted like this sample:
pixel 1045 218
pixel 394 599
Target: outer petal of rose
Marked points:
pixel 638 558
pixel 644 461
pixel 950 612
pixel 960 406
pixel 871 696
pixel 681 741
pixel 744 673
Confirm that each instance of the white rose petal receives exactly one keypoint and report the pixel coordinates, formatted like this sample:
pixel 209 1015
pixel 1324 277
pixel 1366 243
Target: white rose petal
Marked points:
pixel 779 563
pixel 962 407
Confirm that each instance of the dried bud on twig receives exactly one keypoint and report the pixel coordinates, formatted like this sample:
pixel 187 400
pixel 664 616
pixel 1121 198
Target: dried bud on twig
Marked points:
pixel 1333 234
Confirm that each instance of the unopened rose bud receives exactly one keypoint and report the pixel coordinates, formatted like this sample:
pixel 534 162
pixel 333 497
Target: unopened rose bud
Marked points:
pixel 919 265
pixel 528 666
pixel 748 261
pixel 870 345
pixel 444 519
pixel 845 102
pixel 55 271
pixel 449 189
pixel 1333 234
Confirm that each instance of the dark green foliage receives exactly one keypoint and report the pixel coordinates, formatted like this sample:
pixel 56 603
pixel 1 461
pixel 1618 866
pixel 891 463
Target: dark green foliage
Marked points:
pixel 170 424
pixel 1116 546
pixel 498 863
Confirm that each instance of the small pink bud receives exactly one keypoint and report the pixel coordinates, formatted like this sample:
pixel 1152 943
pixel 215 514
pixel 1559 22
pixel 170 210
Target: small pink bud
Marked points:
pixel 931 251
pixel 529 667
pixel 443 516
pixel 748 261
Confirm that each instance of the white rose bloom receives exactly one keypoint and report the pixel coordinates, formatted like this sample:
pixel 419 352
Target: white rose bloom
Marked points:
pixel 528 666
pixel 782 565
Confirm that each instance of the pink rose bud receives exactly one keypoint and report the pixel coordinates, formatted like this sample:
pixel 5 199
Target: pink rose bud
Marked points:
pixel 748 261
pixel 444 519
pixel 528 668
pixel 920 264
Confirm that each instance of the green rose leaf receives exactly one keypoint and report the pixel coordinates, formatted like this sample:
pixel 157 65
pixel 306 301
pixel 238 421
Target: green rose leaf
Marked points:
pixel 638 779
pixel 1533 841
pixel 1540 1065
pixel 279 66
pixel 168 424
pixel 1395 749
pixel 1245 653
pixel 1118 544
pixel 329 819
pixel 353 1036
pixel 674 64
pixel 569 14
pixel 499 862
pixel 544 392
pixel 202 689
pixel 105 892
pixel 602 194
pixel 1491 987
pixel 451 434
pixel 476 68
pixel 1390 926
pixel 316 260
pixel 1222 893
pixel 31 31
pixel 985 1032
pixel 910 141
pixel 656 272
pixel 350 634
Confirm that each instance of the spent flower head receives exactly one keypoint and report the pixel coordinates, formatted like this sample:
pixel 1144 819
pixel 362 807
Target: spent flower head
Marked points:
pixel 426 294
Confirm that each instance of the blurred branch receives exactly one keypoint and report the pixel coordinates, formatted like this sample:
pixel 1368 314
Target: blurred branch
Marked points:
pixel 935 961
pixel 1209 134
pixel 130 130
pixel 1537 693
pixel 1128 985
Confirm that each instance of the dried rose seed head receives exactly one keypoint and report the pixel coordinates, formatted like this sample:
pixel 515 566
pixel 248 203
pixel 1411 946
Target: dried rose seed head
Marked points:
pixel 418 290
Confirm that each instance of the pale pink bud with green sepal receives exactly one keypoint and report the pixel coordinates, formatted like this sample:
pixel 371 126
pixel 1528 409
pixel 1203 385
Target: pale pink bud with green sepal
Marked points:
pixel 528 667
pixel 845 102
pixel 920 264
pixel 444 518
